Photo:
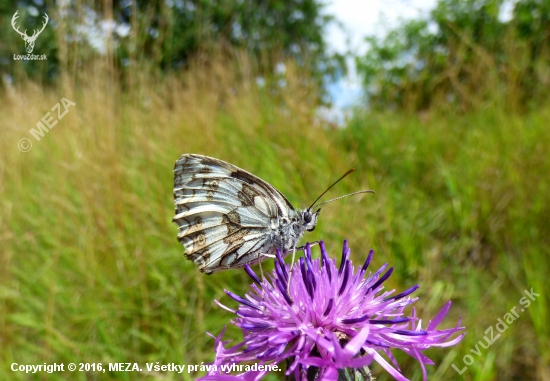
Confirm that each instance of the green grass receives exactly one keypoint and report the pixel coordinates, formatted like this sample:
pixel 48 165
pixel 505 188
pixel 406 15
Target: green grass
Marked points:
pixel 91 271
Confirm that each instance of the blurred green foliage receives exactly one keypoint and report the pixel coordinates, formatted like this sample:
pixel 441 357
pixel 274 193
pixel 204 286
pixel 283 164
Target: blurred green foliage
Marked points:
pixel 461 55
pixel 90 268
pixel 166 35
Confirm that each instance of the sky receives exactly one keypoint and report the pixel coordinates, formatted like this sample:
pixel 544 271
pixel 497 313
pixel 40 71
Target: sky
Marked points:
pixel 370 17
pixel 359 19
pixel 365 17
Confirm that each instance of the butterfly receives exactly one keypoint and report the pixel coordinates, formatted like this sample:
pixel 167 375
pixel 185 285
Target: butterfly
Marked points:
pixel 228 217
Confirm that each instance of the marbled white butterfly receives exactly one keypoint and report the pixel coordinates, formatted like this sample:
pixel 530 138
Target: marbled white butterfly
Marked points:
pixel 227 217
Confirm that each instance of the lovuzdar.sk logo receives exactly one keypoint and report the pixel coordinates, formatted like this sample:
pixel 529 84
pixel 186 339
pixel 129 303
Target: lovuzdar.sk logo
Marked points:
pixel 29 40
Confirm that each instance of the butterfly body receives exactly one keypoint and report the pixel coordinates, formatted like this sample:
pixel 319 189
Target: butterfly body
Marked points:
pixel 228 217
pixel 289 231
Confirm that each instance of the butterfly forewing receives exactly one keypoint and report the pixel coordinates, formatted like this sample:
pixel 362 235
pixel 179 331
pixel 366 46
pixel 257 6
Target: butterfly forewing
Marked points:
pixel 226 215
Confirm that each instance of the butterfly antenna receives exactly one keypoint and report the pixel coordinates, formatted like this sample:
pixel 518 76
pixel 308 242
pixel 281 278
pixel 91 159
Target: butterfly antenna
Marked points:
pixel 346 195
pixel 336 182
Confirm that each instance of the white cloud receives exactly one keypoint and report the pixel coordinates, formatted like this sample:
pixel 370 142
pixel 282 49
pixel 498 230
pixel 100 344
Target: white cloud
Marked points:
pixel 360 18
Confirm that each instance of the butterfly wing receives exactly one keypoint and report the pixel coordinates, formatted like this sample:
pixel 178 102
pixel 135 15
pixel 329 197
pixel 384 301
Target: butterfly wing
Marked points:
pixel 225 215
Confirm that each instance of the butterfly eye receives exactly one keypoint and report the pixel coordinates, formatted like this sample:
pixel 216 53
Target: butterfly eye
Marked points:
pixel 306 217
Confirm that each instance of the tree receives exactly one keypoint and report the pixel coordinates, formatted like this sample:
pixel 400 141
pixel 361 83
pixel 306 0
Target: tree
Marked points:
pixel 168 34
pixel 463 54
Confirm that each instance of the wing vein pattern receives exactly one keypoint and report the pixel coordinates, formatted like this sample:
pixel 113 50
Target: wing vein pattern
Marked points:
pixel 225 215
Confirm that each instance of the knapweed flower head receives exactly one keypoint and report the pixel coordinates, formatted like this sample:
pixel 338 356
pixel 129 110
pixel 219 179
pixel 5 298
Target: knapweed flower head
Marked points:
pixel 329 318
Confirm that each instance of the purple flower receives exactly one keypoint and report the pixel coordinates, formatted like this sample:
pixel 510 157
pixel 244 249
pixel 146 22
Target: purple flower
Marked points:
pixel 331 318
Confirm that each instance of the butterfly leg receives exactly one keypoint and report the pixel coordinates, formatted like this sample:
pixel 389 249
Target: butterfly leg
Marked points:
pixel 311 244
pixel 262 274
pixel 290 271
pixel 268 255
pixel 261 269
pixel 303 248
pixel 260 263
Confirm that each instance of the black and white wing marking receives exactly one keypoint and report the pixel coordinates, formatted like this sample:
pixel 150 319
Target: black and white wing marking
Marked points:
pixel 225 215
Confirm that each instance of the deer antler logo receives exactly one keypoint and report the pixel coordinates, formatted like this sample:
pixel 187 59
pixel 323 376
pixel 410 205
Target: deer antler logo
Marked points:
pixel 29 40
